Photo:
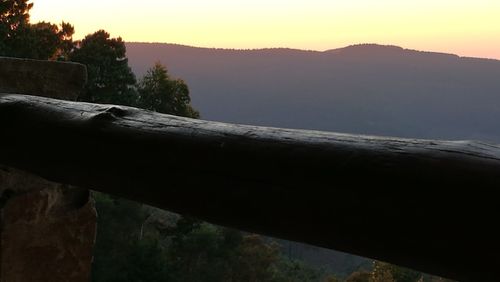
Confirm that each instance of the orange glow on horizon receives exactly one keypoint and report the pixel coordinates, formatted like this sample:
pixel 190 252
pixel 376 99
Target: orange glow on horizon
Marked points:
pixel 466 28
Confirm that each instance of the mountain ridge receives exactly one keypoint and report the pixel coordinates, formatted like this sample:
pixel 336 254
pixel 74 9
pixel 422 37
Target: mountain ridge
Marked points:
pixel 368 46
pixel 361 89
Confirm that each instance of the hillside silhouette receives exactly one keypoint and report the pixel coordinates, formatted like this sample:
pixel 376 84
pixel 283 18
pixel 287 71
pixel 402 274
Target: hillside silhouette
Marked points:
pixel 366 89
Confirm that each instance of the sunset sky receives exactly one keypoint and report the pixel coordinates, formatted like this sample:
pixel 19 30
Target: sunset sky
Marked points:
pixel 464 27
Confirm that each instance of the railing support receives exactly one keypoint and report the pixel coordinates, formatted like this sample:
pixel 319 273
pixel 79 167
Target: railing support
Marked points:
pixel 47 228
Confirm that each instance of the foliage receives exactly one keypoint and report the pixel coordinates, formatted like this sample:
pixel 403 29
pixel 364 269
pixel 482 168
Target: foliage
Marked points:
pixel 110 79
pixel 256 260
pixel 159 92
pixel 119 255
pixel 383 271
pixel 43 40
pixel 359 276
pixel 189 250
pixel 290 270
pixel 14 15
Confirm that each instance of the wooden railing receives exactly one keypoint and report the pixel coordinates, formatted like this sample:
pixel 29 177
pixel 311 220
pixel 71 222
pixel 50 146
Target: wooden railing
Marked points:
pixel 426 204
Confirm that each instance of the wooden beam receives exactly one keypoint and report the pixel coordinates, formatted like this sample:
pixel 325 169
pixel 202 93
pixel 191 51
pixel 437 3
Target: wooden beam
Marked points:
pixel 426 204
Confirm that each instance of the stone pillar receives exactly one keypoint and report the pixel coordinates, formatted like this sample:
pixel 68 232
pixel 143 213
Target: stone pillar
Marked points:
pixel 47 230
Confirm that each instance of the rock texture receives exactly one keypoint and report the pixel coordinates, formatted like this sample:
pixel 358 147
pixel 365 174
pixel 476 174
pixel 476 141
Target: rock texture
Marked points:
pixel 47 230
pixel 42 78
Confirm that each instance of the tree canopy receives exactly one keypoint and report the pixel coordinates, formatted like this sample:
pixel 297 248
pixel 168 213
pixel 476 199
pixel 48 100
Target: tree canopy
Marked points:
pixel 161 93
pixel 20 38
pixel 14 15
pixel 110 79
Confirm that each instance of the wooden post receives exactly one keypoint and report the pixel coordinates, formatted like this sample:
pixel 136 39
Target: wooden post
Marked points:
pixel 47 228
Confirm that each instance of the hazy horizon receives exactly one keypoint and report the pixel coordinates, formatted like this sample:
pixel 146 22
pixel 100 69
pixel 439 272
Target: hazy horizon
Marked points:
pixel 460 27
pixel 358 89
pixel 310 50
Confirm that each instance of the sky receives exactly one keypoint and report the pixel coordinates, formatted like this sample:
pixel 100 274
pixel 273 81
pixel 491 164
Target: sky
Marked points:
pixel 464 27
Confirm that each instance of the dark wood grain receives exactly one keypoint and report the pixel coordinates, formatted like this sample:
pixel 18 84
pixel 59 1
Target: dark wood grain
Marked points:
pixel 427 204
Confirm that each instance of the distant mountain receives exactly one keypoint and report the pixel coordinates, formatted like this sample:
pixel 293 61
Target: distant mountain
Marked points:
pixel 368 89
